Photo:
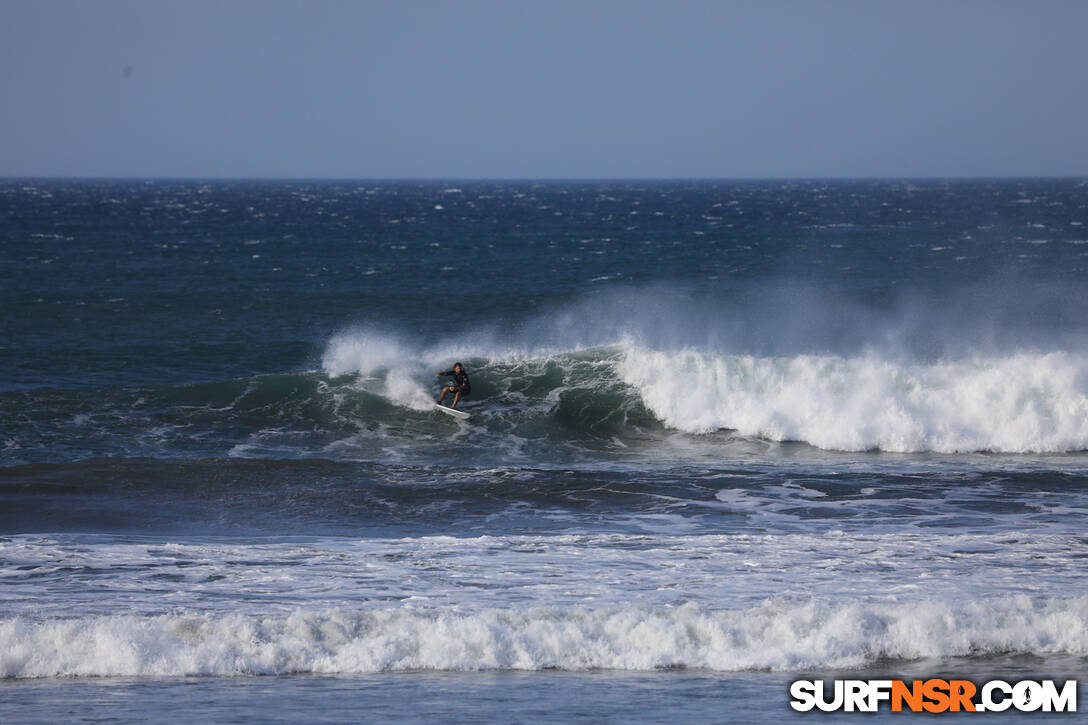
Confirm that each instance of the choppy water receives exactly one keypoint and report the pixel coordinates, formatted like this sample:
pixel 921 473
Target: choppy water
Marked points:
pixel 735 430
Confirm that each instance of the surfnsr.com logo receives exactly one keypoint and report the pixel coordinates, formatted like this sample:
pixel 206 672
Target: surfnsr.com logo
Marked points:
pixel 934 695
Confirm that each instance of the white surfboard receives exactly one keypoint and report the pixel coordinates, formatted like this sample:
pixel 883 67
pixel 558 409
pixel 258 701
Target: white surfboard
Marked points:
pixel 451 411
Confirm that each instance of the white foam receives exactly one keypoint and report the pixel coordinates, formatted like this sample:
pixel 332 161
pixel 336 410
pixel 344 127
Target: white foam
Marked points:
pixel 1017 403
pixel 775 635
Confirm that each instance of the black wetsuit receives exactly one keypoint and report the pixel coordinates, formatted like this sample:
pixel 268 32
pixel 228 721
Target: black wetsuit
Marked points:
pixel 461 380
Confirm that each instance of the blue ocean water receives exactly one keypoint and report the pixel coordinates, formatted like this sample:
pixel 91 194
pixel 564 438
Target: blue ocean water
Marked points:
pixel 722 435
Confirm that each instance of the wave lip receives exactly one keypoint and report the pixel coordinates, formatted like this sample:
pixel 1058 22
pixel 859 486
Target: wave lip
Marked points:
pixel 1018 403
pixel 774 635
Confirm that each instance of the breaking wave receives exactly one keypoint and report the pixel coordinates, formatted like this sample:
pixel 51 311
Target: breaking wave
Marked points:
pixel 1021 402
pixel 774 635
pixel 648 372
pixel 1016 404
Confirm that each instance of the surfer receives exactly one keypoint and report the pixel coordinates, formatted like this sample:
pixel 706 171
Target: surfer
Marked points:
pixel 460 388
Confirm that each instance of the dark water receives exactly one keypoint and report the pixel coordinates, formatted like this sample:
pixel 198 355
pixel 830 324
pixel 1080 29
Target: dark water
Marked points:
pixel 738 430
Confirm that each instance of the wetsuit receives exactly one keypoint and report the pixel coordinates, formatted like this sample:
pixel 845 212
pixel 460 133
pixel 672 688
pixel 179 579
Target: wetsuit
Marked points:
pixel 461 380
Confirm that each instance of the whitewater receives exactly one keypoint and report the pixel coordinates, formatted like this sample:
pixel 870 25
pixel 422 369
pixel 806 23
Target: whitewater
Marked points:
pixel 772 637
pixel 712 602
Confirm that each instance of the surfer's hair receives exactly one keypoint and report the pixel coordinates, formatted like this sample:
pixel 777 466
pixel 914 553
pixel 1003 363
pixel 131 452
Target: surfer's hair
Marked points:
pixel 459 365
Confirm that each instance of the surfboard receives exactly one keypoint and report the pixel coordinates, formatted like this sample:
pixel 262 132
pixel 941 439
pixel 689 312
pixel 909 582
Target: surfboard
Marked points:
pixel 451 411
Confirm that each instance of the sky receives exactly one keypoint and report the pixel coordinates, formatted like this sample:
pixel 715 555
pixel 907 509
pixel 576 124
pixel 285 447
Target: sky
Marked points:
pixel 543 89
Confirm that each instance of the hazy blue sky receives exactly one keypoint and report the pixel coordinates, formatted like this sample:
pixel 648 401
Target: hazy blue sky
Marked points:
pixel 547 88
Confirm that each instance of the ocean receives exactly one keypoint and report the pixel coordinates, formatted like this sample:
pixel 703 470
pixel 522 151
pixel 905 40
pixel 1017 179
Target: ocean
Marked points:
pixel 724 435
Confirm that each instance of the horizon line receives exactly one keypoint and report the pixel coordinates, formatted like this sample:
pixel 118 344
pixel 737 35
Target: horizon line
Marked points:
pixel 537 179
